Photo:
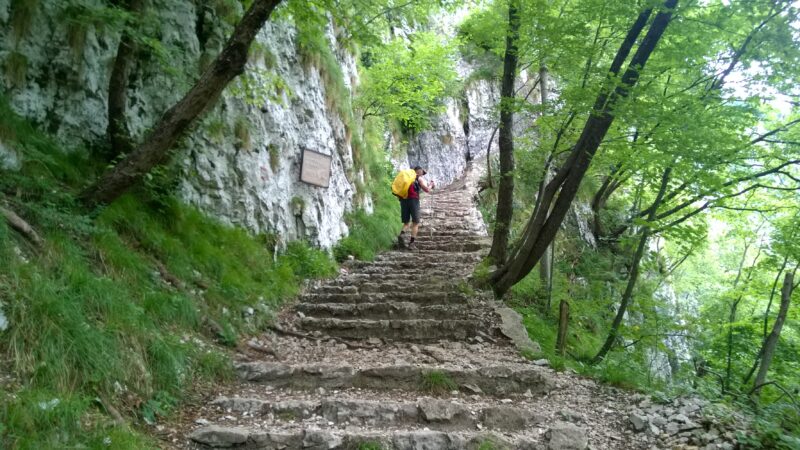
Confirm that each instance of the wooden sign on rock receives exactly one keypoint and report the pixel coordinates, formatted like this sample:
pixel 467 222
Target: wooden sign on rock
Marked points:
pixel 315 168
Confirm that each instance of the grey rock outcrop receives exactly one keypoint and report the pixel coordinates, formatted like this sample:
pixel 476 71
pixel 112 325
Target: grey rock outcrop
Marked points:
pixel 241 163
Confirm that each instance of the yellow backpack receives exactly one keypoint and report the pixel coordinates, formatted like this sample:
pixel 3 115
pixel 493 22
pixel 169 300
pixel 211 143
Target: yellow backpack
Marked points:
pixel 403 181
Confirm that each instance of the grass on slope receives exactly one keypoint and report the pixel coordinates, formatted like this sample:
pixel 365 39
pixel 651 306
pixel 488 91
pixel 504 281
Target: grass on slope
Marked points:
pixel 124 309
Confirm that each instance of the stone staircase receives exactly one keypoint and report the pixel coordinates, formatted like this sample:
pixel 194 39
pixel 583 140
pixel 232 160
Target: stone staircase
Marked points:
pixel 399 353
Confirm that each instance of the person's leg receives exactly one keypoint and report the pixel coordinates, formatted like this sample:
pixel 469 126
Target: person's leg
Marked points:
pixel 405 217
pixel 414 210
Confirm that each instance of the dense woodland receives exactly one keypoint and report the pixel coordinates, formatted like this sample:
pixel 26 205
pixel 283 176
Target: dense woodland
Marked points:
pixel 669 128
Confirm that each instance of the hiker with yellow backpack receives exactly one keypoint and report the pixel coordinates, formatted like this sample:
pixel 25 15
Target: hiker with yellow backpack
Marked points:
pixel 407 186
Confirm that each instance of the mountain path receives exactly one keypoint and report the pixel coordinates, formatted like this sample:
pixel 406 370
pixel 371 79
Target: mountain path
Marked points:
pixel 401 353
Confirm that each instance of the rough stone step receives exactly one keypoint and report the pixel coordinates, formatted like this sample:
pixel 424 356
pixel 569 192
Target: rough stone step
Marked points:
pixel 419 278
pixel 406 330
pixel 451 239
pixel 393 256
pixel 433 413
pixel 426 298
pixel 496 380
pixel 413 265
pixel 388 285
pixel 451 246
pixel 216 436
pixel 393 310
pixel 412 262
pixel 457 234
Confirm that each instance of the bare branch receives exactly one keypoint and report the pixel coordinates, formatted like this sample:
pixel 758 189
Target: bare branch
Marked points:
pixel 22 227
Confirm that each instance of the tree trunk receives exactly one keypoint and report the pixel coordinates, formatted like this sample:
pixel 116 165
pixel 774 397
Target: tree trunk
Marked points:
pixel 489 158
pixel 726 382
pixel 634 275
pixel 563 320
pixel 757 359
pixel 559 193
pixel 505 190
pixel 118 134
pixel 154 151
pixel 546 263
pixel 768 349
pixel 610 184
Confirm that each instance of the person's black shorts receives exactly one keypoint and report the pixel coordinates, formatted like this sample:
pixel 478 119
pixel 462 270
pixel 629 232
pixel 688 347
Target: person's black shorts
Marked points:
pixel 409 209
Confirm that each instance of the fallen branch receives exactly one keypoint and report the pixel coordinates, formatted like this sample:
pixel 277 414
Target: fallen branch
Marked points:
pixel 781 388
pixel 260 348
pixel 111 410
pixel 18 224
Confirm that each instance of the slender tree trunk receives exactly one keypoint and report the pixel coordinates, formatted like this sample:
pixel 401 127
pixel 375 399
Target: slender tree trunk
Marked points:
pixel 489 159
pixel 559 193
pixel 733 310
pixel 563 321
pixel 611 183
pixel 634 275
pixel 757 359
pixel 505 190
pixel 118 134
pixel 154 151
pixel 768 349
pixel 546 263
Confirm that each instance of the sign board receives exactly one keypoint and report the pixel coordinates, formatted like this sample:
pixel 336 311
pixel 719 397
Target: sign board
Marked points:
pixel 315 168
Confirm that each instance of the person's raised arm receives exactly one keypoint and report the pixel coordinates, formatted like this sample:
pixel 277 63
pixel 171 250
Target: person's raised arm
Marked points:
pixel 425 186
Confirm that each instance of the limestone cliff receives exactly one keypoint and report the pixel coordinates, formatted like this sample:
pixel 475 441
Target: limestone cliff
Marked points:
pixel 241 162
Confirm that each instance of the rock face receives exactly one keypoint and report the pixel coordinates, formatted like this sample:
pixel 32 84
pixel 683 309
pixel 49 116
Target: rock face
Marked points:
pixel 458 136
pixel 241 163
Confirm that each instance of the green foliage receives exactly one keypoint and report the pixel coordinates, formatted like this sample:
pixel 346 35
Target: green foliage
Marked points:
pixel 16 69
pixel 241 130
pixel 22 15
pixel 215 129
pixel 257 86
pixel 489 444
pixel 407 81
pixel 370 233
pixel 48 419
pixel 308 262
pixel 370 446
pixel 274 157
pixel 437 382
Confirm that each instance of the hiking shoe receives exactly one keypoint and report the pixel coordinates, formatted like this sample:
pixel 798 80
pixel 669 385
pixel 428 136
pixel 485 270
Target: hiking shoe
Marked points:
pixel 400 242
pixel 411 246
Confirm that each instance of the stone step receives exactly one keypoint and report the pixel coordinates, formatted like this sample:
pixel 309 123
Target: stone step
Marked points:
pixel 426 298
pixel 396 256
pixel 451 246
pixel 409 280
pixel 412 263
pixel 450 238
pixel 375 284
pixel 406 330
pixel 495 380
pixel 456 234
pixel 410 266
pixel 434 413
pixel 383 310
pixel 216 436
